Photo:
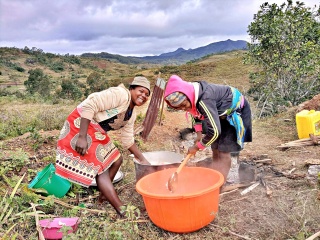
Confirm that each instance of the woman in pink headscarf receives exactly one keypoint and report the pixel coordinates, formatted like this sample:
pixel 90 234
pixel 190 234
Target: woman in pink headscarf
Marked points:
pixel 223 109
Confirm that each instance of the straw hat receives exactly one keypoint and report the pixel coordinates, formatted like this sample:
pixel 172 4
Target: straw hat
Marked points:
pixel 141 81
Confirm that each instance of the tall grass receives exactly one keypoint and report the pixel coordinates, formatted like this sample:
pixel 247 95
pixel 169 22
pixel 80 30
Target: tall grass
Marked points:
pixel 229 69
pixel 20 117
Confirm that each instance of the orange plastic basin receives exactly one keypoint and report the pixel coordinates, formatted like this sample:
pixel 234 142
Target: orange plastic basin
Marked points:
pixel 193 205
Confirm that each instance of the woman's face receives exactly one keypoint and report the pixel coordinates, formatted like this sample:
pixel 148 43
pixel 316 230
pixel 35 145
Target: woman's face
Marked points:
pixel 139 95
pixel 185 105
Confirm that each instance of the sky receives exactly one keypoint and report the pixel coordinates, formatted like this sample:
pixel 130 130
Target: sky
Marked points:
pixel 125 27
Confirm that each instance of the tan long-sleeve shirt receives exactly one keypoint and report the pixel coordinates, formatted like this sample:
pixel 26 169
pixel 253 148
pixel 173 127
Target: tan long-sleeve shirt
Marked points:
pixel 100 106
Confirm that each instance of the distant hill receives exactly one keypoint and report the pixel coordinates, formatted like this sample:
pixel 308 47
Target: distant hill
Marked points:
pixel 179 56
pixel 114 57
pixel 182 56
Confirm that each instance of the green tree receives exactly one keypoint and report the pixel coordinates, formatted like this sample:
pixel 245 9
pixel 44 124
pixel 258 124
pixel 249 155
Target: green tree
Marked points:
pixel 285 47
pixel 38 82
pixel 57 66
pixel 45 86
pixel 96 82
pixel 70 89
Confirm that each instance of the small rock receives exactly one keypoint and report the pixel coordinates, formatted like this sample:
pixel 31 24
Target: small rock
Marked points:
pixel 313 170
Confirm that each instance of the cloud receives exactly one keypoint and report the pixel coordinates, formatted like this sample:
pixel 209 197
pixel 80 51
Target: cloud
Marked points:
pixel 140 27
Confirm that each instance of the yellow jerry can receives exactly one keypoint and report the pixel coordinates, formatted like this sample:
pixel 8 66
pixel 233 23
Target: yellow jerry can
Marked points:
pixel 308 122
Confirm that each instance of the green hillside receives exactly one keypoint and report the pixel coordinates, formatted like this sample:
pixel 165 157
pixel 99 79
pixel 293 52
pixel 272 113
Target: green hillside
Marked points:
pixel 15 63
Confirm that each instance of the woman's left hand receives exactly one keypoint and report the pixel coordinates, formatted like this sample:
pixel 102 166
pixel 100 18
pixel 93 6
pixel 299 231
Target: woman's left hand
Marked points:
pixel 138 155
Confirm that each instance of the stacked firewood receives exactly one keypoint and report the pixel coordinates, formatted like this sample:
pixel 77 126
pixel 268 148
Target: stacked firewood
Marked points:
pixel 313 140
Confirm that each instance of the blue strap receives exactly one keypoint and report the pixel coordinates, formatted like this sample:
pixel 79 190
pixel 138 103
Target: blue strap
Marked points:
pixel 234 117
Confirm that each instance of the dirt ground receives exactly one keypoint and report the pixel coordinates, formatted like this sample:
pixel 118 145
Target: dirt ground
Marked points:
pixel 286 207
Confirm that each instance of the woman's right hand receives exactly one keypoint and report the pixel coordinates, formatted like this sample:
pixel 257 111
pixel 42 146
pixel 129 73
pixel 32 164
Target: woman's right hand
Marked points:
pixel 81 146
pixel 193 150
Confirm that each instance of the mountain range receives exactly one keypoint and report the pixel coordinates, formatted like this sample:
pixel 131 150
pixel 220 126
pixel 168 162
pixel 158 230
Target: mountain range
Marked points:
pixel 179 56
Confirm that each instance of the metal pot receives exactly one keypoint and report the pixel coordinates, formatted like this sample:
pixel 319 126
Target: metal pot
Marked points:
pixel 159 160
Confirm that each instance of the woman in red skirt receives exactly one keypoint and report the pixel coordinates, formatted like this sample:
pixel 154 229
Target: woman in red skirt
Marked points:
pixel 85 151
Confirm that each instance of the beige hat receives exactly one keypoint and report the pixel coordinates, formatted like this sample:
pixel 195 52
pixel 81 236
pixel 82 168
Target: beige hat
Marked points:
pixel 141 81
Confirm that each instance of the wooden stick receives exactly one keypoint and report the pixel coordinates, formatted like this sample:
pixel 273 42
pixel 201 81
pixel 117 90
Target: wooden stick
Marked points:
pixel 84 199
pixel 234 186
pixel 71 206
pixel 162 102
pixel 292 170
pixel 161 111
pixel 41 237
pixel 313 140
pixel 233 200
pixel 268 190
pixel 231 191
pixel 263 160
pixel 314 236
pixel 249 189
pixel 232 233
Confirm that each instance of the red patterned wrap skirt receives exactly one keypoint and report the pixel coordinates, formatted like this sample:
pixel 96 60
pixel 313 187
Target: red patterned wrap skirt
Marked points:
pixel 99 157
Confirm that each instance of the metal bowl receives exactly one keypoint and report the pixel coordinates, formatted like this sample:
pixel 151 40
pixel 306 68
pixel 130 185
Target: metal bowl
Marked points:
pixel 158 160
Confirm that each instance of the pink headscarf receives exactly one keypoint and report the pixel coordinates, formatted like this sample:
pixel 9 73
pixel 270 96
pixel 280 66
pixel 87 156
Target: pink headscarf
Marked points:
pixel 176 84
